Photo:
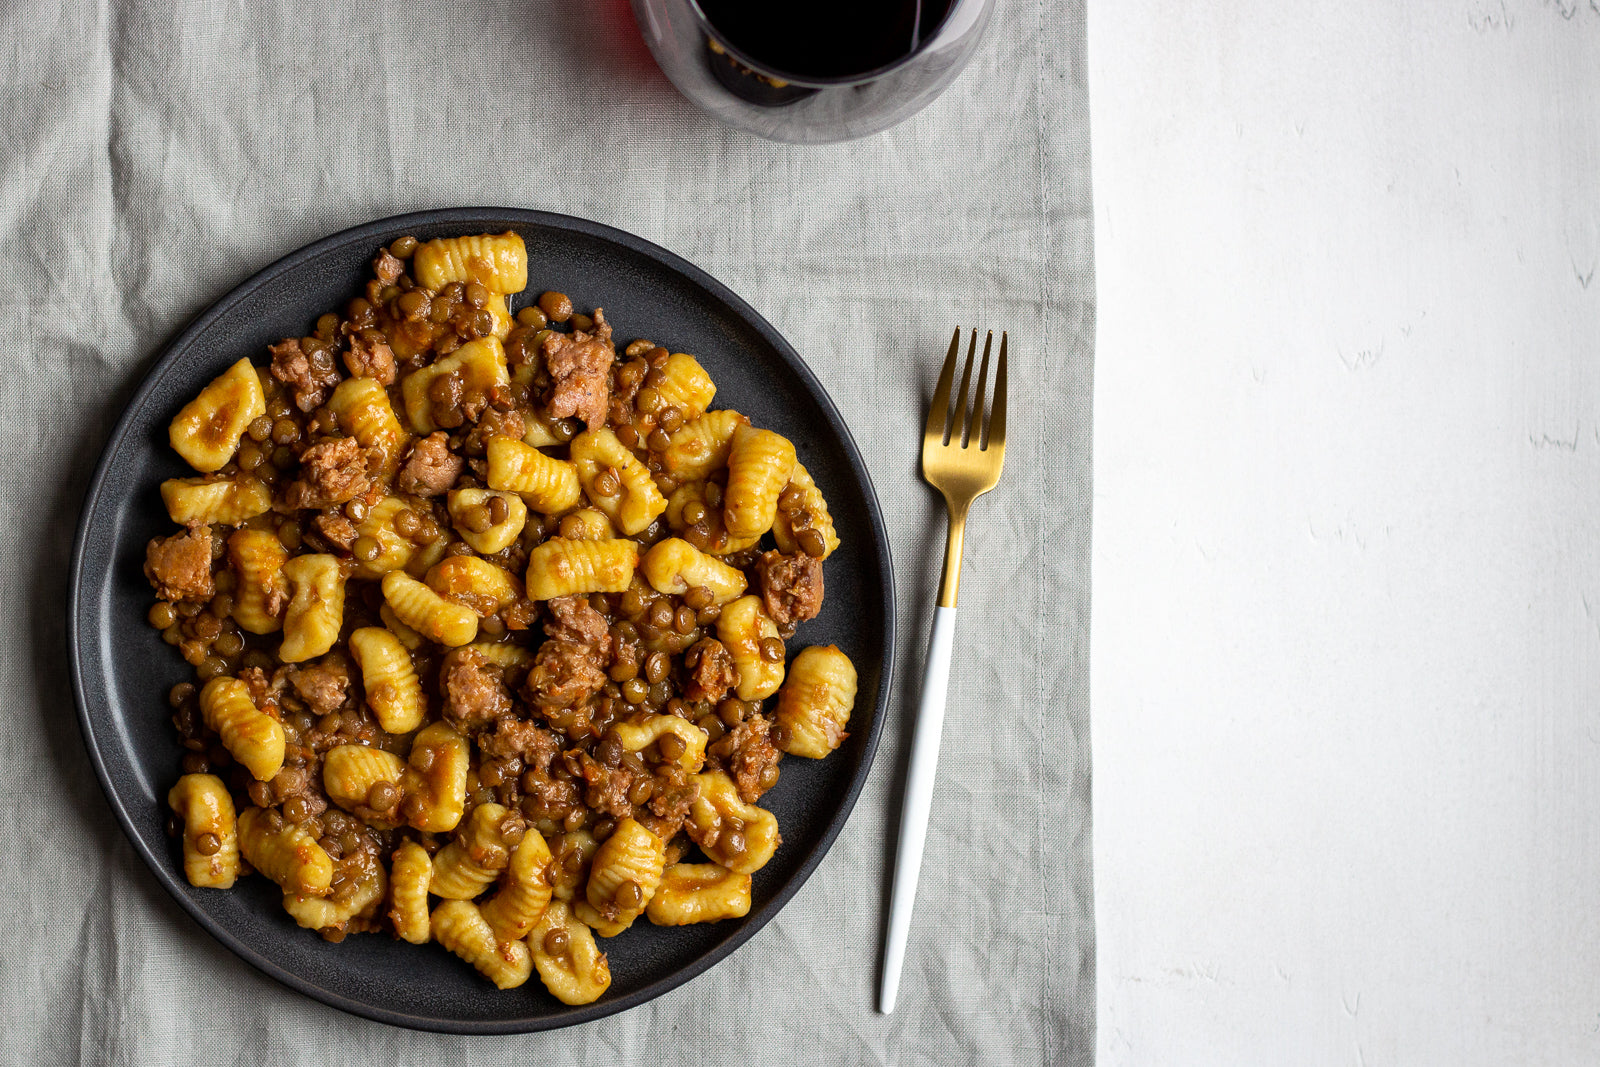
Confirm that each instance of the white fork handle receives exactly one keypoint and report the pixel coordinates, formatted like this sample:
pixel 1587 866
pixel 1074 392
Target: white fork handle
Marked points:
pixel 918 801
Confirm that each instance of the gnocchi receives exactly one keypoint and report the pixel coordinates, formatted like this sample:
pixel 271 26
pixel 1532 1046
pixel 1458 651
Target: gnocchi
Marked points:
pixel 699 893
pixel 316 607
pixel 616 481
pixel 204 502
pixel 815 701
pixel 525 890
pixel 210 830
pixel 261 588
pixel 466 866
pixel 362 889
pixel 389 677
pixel 739 836
pixel 489 632
pixel 570 964
pixel 459 926
pixel 487 520
pixel 250 735
pixel 743 628
pixel 544 483
pixel 428 613
pixel 206 432
pixel 760 463
pixel 497 261
pixel 410 875
pixel 626 870
pixel 560 567
pixel 285 853
pixel 675 566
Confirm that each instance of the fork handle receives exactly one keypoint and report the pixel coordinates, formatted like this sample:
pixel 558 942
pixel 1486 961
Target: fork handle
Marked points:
pixel 918 801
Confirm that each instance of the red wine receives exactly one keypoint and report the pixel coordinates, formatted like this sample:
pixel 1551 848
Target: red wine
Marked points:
pixel 825 39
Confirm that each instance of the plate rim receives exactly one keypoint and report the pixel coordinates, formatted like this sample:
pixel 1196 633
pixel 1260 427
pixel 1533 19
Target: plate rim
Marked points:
pixel 159 865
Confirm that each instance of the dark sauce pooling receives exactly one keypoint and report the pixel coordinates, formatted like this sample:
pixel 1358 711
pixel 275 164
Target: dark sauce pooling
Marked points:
pixel 825 38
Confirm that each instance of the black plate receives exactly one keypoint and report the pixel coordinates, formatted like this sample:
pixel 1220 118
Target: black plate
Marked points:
pixel 122 670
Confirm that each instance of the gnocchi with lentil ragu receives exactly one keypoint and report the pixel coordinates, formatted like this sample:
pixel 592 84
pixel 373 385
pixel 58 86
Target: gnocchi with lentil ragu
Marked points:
pixel 489 624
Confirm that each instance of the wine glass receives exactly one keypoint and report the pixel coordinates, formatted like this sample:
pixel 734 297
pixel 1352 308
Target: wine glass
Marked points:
pixel 812 71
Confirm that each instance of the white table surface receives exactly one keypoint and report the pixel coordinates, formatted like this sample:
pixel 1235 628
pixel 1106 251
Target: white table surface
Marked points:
pixel 1346 643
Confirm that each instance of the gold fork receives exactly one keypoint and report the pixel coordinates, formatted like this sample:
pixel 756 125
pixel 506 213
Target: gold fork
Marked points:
pixel 962 455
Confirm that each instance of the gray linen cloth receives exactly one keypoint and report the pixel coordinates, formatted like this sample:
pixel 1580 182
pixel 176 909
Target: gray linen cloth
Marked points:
pixel 155 155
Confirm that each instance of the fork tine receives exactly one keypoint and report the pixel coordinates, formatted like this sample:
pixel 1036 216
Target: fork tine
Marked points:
pixel 939 408
pixel 997 406
pixel 958 423
pixel 975 422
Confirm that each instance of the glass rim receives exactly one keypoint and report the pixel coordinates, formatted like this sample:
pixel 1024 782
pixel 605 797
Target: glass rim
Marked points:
pixel 812 81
